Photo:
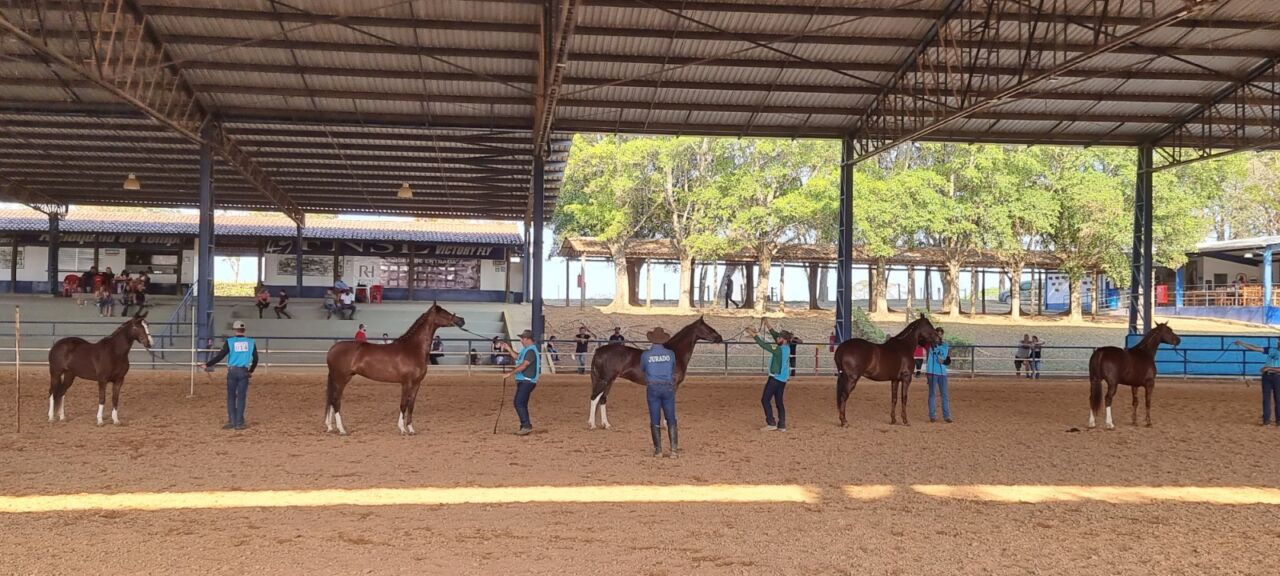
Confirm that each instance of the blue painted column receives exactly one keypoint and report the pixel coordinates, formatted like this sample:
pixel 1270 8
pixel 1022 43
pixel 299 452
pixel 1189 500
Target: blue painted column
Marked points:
pixel 535 244
pixel 844 246
pixel 204 251
pixel 55 283
pixel 1178 286
pixel 1140 257
pixel 297 261
pixel 1268 286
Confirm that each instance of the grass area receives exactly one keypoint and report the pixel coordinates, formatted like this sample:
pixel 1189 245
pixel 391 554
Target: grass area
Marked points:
pixel 234 289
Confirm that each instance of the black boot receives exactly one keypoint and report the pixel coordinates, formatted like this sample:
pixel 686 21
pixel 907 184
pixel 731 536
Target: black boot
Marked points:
pixel 675 439
pixel 657 440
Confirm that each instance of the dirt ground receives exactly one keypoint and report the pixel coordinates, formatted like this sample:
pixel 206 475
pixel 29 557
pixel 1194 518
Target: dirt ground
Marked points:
pixel 1007 432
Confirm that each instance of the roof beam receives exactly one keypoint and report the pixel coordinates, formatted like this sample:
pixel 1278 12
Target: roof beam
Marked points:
pixel 956 75
pixel 127 59
pixel 19 192
pixel 558 23
pixel 1220 126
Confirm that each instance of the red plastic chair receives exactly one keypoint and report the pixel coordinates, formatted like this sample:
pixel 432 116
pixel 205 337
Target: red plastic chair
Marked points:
pixel 362 294
pixel 70 285
pixel 375 293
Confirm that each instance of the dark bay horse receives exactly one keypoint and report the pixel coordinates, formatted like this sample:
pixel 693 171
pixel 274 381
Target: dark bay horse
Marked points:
pixel 106 360
pixel 893 361
pixel 1133 367
pixel 617 360
pixel 404 360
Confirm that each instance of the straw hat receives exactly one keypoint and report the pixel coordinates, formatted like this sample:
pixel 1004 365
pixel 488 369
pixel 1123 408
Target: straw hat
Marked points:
pixel 657 336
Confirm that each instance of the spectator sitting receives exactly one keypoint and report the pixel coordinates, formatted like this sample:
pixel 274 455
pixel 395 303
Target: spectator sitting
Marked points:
pixel 264 300
pixel 109 279
pixel 106 302
pixel 360 334
pixel 347 304
pixel 617 337
pixel 475 357
pixel 551 349
pixel 340 286
pixel 86 279
pixel 386 338
pixel 140 286
pixel 283 305
pixel 330 304
pixel 499 356
pixel 126 293
pixel 437 350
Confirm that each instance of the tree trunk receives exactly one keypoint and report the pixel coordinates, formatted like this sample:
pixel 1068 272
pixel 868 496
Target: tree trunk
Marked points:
pixel 702 286
pixel 1073 288
pixel 748 287
pixel 814 271
pixel 782 287
pixel 621 279
pixel 717 295
pixel 765 260
pixel 880 287
pixel 1096 293
pixel 928 289
pixel 951 290
pixel 686 282
pixel 973 292
pixel 911 286
pixel 1015 292
pixel 633 281
pixel 824 292
pixel 648 284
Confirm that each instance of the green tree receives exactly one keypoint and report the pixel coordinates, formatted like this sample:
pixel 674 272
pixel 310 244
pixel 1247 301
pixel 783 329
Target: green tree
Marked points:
pixel 890 208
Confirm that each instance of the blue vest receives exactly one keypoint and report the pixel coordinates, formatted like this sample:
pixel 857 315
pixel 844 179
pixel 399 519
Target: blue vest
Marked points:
pixel 659 365
pixel 530 373
pixel 240 352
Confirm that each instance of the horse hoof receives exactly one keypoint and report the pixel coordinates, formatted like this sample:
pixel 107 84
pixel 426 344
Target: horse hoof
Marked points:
pixel 591 426
pixel 1148 425
pixel 608 427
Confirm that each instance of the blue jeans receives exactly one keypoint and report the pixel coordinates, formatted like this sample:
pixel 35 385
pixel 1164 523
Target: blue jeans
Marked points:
pixel 237 390
pixel 1270 395
pixel 524 388
pixel 938 382
pixel 773 390
pixel 662 400
pixel 582 362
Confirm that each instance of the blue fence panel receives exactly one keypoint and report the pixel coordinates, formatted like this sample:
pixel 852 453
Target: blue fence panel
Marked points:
pixel 1209 355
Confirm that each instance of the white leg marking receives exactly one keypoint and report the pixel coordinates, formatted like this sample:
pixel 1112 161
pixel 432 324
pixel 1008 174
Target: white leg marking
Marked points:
pixel 591 420
pixel 1110 423
pixel 62 409
pixel 400 424
pixel 51 407
pixel 328 419
pixel 411 430
pixel 1093 423
pixel 337 417
pixel 604 416
pixel 115 416
pixel 100 407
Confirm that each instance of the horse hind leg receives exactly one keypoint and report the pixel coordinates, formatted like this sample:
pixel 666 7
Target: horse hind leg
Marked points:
pixel 1150 387
pixel 413 402
pixel 906 385
pixel 599 398
pixel 102 399
pixel 115 401
pixel 1135 406
pixel 1095 399
pixel 336 387
pixel 893 402
pixel 1111 394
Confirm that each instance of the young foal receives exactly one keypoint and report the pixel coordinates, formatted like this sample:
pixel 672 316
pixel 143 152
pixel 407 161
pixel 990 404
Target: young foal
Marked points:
pixel 404 360
pixel 104 361
pixel 616 360
pixel 1133 367
pixel 893 361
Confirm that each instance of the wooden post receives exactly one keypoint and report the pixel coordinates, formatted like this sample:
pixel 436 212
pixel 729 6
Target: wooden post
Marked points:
pixel 782 286
pixel 262 264
pixel 13 266
pixel 983 288
pixel 506 290
pixel 411 271
pixel 95 253
pixel 567 288
pixel 582 290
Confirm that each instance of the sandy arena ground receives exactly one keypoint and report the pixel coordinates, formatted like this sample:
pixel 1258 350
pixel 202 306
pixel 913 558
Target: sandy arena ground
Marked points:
pixel 1008 432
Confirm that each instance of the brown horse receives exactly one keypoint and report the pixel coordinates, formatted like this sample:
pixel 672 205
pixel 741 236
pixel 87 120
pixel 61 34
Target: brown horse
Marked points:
pixel 893 361
pixel 106 360
pixel 616 360
pixel 404 360
pixel 1133 367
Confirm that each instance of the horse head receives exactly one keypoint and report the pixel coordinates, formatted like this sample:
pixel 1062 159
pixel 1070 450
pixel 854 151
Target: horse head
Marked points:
pixel 924 332
pixel 441 317
pixel 704 331
pixel 138 329
pixel 1165 334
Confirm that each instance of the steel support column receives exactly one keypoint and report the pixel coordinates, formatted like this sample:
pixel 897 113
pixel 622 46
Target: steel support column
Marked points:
pixel 297 263
pixel 1268 286
pixel 535 244
pixel 55 283
pixel 1140 257
pixel 204 249
pixel 1179 285
pixel 844 246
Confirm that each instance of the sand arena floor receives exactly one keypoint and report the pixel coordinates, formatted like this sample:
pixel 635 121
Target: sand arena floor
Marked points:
pixel 984 495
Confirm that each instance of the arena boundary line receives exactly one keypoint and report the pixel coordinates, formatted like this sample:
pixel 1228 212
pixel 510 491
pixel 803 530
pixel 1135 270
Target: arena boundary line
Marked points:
pixel 1038 494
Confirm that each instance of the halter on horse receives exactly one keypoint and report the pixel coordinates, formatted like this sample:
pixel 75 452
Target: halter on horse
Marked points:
pixel 893 361
pixel 617 360
pixel 1133 367
pixel 404 360
pixel 106 360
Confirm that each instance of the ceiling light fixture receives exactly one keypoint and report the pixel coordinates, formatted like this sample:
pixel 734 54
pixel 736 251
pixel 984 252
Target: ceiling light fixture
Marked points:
pixel 132 182
pixel 405 191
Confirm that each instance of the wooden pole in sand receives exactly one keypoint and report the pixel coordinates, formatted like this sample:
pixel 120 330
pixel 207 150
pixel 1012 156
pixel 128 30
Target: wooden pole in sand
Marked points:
pixel 17 366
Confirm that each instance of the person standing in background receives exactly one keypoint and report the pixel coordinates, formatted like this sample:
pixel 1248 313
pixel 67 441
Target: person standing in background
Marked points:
pixel 939 358
pixel 527 370
pixel 361 336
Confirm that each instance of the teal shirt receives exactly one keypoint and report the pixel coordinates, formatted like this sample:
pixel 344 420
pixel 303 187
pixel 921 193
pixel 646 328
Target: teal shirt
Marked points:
pixel 1273 357
pixel 779 367
pixel 530 372
pixel 935 356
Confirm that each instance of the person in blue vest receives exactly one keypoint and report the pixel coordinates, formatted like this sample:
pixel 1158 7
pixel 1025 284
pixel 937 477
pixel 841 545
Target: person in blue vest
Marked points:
pixel 659 365
pixel 779 373
pixel 528 367
pixel 241 353
pixel 1270 380
pixel 937 359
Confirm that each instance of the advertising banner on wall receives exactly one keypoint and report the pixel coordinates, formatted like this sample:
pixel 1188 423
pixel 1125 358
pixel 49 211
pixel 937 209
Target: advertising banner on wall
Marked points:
pixel 378 248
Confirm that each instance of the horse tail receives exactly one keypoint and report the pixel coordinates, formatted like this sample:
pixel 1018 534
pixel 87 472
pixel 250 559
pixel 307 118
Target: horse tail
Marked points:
pixel 1095 381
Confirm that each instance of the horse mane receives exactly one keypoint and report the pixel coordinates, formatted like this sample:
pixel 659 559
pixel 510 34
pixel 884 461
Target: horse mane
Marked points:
pixel 1148 339
pixel 684 332
pixel 908 329
pixel 416 327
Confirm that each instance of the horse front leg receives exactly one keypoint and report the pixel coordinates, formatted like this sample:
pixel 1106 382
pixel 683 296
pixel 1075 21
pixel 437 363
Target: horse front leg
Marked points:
pixel 1150 387
pixel 102 399
pixel 846 385
pixel 1135 406
pixel 906 384
pixel 413 402
pixel 115 400
pixel 599 398
pixel 404 406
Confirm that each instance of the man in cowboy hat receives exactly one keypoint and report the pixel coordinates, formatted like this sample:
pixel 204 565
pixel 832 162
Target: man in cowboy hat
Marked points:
pixel 779 373
pixel 528 366
pixel 659 364
pixel 241 353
